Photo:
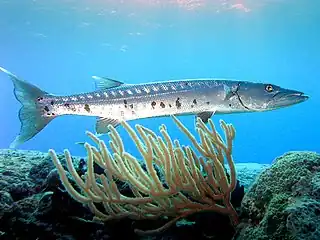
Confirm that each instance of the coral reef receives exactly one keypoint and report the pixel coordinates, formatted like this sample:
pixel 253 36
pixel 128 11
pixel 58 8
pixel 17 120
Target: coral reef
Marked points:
pixel 44 210
pixel 284 202
pixel 176 182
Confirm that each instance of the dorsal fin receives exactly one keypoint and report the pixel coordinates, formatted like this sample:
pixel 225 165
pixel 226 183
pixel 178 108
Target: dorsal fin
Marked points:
pixel 102 83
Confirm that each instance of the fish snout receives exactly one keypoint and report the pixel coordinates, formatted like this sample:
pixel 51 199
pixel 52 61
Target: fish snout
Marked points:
pixel 297 96
pixel 288 98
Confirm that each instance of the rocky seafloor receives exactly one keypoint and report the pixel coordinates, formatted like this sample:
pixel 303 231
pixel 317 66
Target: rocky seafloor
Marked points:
pixel 277 201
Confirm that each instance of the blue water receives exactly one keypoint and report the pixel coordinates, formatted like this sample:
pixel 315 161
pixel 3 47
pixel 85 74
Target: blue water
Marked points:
pixel 58 45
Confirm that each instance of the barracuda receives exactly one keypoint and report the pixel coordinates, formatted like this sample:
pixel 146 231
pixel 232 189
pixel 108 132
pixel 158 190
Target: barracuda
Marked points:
pixel 114 101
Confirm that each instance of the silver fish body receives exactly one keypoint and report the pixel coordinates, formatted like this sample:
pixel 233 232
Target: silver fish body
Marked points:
pixel 128 102
pixel 114 101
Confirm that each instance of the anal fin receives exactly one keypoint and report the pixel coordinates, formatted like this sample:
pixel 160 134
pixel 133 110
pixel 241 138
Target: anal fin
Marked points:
pixel 103 123
pixel 205 116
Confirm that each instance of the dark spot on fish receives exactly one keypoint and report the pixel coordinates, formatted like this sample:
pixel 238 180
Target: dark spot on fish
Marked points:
pixel 208 103
pixel 68 106
pixel 48 114
pixel 53 114
pixel 192 105
pixel 125 101
pixel 162 105
pixel 133 112
pixel 52 102
pixel 131 106
pixel 229 104
pixel 87 107
pixel 187 84
pixel 46 109
pixel 170 105
pixel 178 103
pixel 153 104
pixel 194 101
pixel 40 99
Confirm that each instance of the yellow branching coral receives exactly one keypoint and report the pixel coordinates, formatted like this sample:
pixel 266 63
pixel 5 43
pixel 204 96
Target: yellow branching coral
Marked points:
pixel 174 183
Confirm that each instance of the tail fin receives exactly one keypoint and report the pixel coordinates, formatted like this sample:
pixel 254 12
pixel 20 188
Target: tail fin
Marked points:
pixel 31 119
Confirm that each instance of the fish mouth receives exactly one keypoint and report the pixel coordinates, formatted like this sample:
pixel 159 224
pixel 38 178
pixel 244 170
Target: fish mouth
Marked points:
pixel 288 98
pixel 296 97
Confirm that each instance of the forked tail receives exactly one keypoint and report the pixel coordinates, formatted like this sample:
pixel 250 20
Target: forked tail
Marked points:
pixel 31 118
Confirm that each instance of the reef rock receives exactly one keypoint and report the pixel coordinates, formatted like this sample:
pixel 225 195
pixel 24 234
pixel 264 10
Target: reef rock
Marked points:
pixel 284 201
pixel 34 205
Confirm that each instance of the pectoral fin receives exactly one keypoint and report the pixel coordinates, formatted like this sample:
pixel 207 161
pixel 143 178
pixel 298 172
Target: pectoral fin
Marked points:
pixel 230 92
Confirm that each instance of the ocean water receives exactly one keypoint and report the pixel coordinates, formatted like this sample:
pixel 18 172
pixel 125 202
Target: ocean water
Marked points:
pixel 58 45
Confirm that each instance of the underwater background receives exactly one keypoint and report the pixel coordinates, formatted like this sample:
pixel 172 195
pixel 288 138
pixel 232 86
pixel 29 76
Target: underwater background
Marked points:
pixel 58 45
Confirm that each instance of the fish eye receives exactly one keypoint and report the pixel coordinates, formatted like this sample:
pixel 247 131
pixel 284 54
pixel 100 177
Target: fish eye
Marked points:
pixel 269 88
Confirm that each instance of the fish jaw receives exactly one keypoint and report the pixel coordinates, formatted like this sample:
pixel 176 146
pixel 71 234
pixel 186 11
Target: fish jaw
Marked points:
pixel 286 99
